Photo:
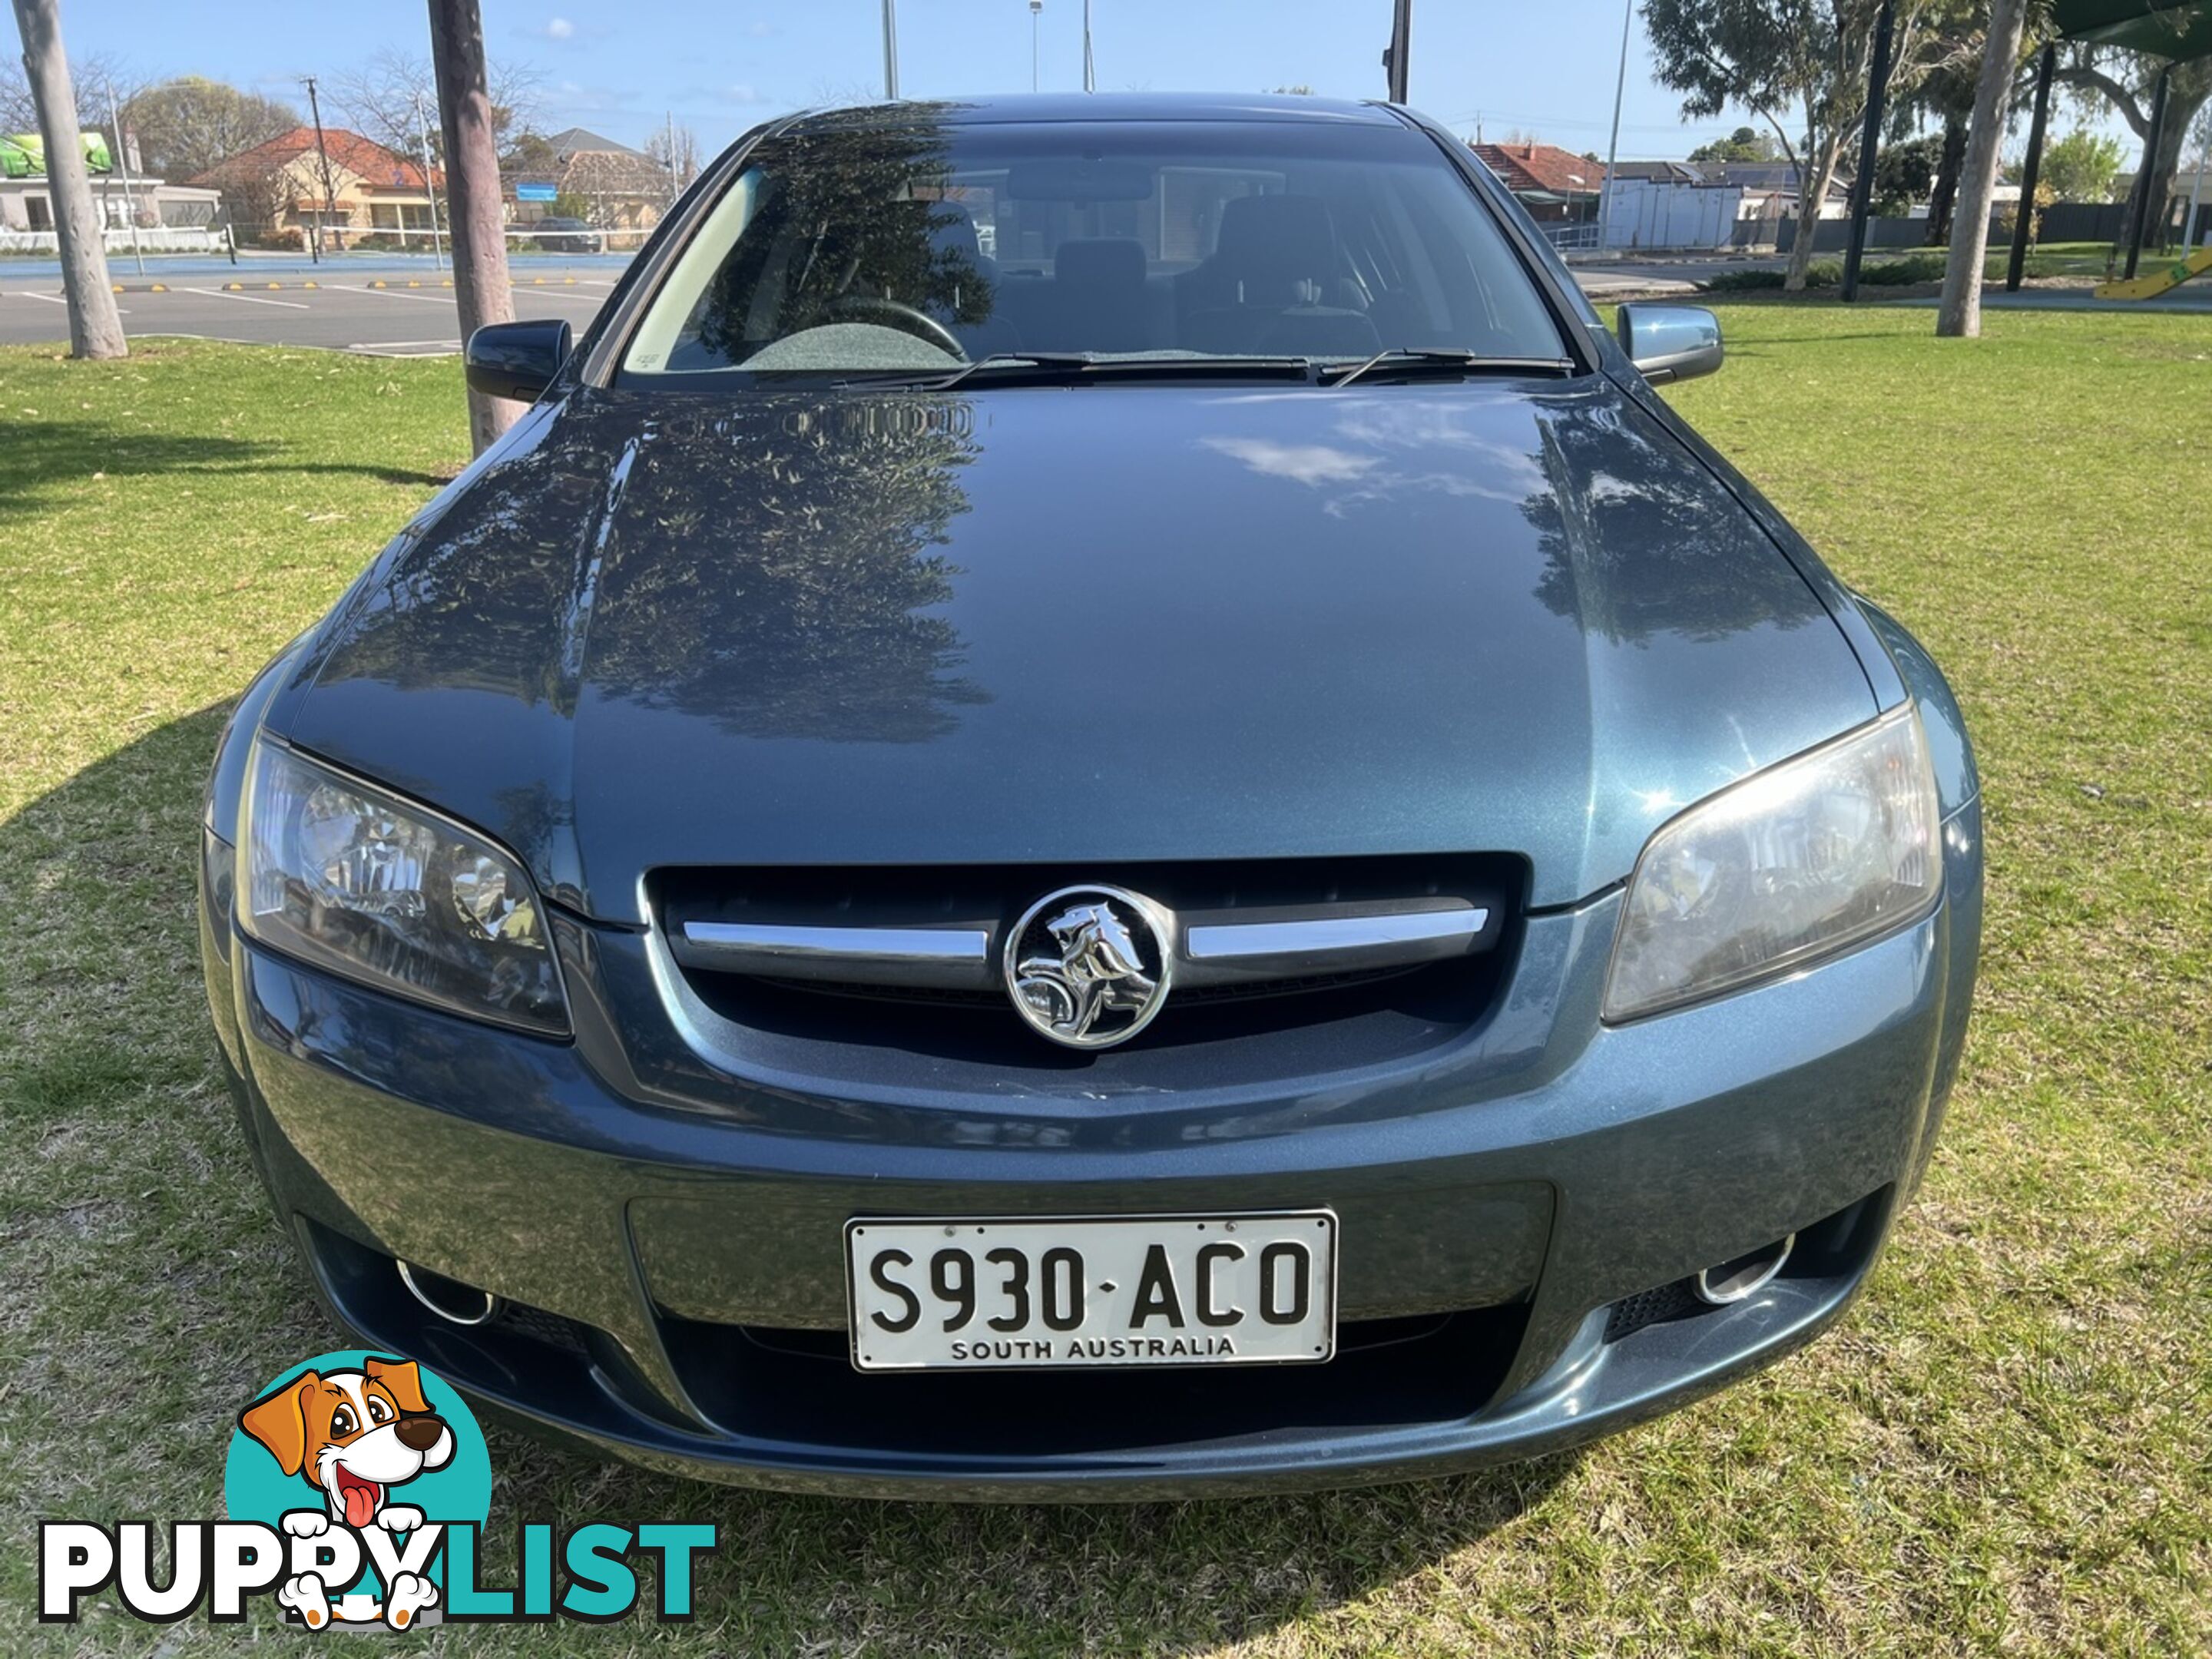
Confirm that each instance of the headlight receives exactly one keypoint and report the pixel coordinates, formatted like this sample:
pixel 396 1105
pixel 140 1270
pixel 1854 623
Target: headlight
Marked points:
pixel 1796 862
pixel 345 877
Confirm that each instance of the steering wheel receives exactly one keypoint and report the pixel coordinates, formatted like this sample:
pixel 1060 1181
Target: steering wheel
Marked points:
pixel 897 313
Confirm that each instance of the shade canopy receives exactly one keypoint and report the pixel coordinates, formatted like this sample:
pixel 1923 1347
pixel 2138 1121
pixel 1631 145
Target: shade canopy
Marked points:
pixel 2180 32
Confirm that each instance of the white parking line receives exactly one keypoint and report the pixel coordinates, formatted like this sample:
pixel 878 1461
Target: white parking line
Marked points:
pixel 250 299
pixel 555 293
pixel 407 348
pixel 424 299
pixel 56 299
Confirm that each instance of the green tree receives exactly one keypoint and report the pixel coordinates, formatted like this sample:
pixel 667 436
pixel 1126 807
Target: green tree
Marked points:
pixel 1802 66
pixel 186 125
pixel 2080 166
pixel 1905 175
pixel 1744 144
pixel 2124 80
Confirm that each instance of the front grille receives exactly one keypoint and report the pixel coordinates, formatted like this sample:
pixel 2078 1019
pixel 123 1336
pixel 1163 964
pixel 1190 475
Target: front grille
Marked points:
pixel 800 1386
pixel 960 1010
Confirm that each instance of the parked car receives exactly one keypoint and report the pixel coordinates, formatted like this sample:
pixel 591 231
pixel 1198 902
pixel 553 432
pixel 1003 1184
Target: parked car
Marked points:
pixel 585 241
pixel 1209 853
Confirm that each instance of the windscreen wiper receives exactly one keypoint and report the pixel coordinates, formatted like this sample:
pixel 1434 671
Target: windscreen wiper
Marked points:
pixel 1069 367
pixel 1417 359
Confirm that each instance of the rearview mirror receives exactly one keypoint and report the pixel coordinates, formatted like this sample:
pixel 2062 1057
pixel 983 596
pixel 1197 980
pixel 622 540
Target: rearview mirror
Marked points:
pixel 1670 342
pixel 1079 180
pixel 516 360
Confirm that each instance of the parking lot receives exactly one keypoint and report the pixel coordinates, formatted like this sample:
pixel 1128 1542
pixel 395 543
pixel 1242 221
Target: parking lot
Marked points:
pixel 394 309
pixel 388 316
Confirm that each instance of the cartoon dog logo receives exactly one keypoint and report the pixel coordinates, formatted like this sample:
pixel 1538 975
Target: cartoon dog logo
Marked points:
pixel 353 1436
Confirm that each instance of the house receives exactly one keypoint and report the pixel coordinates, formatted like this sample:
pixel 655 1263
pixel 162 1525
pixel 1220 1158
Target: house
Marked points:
pixel 1665 172
pixel 279 192
pixel 146 213
pixel 1770 189
pixel 580 174
pixel 1552 184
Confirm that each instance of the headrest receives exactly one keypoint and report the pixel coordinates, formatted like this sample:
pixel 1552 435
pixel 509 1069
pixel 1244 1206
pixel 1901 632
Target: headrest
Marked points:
pixel 1100 262
pixel 1285 235
pixel 951 231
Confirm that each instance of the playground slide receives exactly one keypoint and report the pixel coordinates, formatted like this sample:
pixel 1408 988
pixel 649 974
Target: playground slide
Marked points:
pixel 2152 284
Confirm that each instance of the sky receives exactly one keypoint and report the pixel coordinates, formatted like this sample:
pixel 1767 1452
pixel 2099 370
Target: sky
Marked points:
pixel 622 67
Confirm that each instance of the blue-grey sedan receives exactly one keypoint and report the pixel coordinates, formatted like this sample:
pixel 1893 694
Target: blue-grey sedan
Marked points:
pixel 1097 805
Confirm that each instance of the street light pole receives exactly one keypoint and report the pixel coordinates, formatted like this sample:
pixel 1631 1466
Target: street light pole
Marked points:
pixel 429 188
pixel 330 191
pixel 890 51
pixel 1090 68
pixel 1037 10
pixel 123 166
pixel 1612 144
pixel 1397 59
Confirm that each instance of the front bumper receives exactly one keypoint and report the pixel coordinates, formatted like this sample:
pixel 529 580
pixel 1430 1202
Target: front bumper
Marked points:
pixel 674 1276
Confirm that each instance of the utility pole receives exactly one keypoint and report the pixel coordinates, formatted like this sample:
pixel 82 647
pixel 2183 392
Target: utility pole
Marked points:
pixel 2031 172
pixel 1869 149
pixel 481 283
pixel 1612 144
pixel 95 328
pixel 1089 68
pixel 890 51
pixel 1397 59
pixel 675 180
pixel 329 190
pixel 2139 231
pixel 123 166
pixel 1037 10
pixel 429 185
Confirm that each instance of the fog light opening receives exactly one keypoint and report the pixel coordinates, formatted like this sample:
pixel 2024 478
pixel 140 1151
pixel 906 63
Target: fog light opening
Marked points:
pixel 450 1299
pixel 1744 1275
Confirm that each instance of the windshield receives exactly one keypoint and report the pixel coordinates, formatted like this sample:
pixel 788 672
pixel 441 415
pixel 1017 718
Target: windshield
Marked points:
pixel 857 247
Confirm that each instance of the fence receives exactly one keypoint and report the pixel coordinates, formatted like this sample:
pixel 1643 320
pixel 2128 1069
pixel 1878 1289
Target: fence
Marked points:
pixel 163 239
pixel 1564 237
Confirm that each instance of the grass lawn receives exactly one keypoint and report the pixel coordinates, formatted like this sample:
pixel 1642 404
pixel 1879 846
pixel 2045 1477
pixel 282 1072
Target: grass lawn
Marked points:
pixel 2007 1446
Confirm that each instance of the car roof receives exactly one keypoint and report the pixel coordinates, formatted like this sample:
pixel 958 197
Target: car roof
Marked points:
pixel 1026 107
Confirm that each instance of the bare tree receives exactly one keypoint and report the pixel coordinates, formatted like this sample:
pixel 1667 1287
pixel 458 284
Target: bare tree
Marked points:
pixel 1959 315
pixel 379 100
pixel 675 148
pixel 18 111
pixel 465 121
pixel 95 327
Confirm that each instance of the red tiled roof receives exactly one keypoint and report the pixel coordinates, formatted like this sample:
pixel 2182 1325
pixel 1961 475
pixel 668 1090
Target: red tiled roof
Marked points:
pixel 1542 167
pixel 377 167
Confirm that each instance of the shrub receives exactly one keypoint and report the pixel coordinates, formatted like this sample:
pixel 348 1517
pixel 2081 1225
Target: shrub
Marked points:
pixel 1741 281
pixel 1926 267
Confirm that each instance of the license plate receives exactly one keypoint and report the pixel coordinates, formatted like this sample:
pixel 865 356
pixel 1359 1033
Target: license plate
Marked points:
pixel 977 1295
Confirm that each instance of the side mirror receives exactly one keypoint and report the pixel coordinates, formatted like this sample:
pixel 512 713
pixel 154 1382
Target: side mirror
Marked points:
pixel 516 360
pixel 1670 342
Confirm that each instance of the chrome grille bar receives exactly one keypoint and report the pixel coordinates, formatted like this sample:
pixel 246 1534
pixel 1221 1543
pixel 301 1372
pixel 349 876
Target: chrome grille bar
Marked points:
pixel 953 956
pixel 1346 940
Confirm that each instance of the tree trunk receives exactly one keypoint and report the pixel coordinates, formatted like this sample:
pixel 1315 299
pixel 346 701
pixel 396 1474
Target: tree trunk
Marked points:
pixel 472 202
pixel 1812 196
pixel 2181 111
pixel 1961 314
pixel 1946 191
pixel 95 327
